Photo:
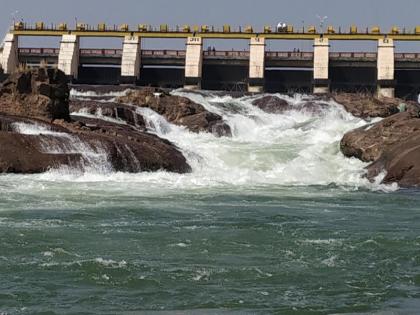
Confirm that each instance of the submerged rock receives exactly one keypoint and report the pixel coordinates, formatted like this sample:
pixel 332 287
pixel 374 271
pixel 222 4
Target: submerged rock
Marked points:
pixel 275 105
pixel 50 137
pixel 178 110
pixel 272 104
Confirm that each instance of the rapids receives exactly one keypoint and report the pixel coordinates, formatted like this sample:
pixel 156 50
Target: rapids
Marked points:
pixel 273 220
pixel 297 147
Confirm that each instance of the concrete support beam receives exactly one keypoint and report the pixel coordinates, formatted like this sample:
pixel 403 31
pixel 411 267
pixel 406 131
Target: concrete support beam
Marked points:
pixel 9 58
pixel 386 68
pixel 321 82
pixel 131 60
pixel 193 63
pixel 68 58
pixel 256 65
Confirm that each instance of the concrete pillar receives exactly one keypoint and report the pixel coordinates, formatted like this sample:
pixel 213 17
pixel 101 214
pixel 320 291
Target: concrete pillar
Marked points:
pixel 68 59
pixel 9 58
pixel 321 82
pixel 193 63
pixel 386 82
pixel 256 65
pixel 131 60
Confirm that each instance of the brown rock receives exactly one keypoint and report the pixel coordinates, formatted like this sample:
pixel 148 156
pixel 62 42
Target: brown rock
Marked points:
pixel 40 97
pixel 39 93
pixel 365 106
pixel 123 112
pixel 369 142
pixel 126 149
pixel 272 104
pixel 178 110
pixel 22 154
pixel 401 163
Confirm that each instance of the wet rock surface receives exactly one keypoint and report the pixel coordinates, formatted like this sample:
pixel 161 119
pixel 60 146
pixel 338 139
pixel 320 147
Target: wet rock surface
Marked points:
pixel 401 163
pixel 392 145
pixel 37 132
pixel 369 142
pixel 364 106
pixel 117 111
pixel 178 110
pixel 273 104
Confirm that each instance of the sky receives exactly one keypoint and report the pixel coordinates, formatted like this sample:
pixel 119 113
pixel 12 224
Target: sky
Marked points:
pixel 364 13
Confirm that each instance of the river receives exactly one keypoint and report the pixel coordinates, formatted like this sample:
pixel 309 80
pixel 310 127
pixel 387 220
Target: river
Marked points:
pixel 274 220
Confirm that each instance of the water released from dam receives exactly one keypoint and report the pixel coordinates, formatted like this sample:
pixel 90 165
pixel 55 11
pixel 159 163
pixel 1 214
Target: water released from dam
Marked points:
pixel 273 220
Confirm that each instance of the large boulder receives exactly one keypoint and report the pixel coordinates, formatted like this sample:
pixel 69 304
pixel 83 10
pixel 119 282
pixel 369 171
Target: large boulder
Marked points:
pixel 118 147
pixel 39 93
pixel 275 105
pixel 178 110
pixel 117 111
pixel 391 144
pixel 369 142
pixel 400 163
pixel 37 132
pixel 272 104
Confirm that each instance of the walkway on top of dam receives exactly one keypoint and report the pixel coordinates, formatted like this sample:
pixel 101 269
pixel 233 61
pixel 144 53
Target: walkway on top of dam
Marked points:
pixel 226 32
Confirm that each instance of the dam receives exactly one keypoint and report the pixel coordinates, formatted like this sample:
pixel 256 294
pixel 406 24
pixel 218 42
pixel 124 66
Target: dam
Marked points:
pixel 320 71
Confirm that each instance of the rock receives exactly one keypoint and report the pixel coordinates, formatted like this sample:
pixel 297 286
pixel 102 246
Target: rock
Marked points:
pixel 178 110
pixel 369 142
pixel 365 106
pixel 400 162
pixel 126 149
pixel 113 110
pixel 21 154
pixel 392 145
pixel 39 93
pixel 130 150
pixel 272 104
pixel 275 105
pixel 40 98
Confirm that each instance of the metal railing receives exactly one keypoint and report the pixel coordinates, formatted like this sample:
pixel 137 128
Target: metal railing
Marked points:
pixel 117 53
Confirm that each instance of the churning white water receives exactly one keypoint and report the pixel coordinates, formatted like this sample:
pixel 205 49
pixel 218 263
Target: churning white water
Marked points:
pixel 94 157
pixel 297 147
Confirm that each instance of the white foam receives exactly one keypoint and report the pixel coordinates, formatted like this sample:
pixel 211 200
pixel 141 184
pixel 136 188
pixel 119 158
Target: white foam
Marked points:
pixel 92 94
pixel 295 148
pixel 95 158
pixel 35 129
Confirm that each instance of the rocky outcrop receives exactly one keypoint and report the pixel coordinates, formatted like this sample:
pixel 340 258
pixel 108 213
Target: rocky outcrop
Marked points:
pixel 369 142
pixel 41 93
pixel 22 154
pixel 275 105
pixel 400 163
pixel 364 106
pixel 272 104
pixel 37 133
pixel 178 110
pixel 392 145
pixel 112 110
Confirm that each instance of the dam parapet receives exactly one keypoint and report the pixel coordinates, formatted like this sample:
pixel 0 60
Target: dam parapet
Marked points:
pixel 255 70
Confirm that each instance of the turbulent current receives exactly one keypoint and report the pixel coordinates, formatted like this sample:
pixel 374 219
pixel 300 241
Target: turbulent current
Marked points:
pixel 273 220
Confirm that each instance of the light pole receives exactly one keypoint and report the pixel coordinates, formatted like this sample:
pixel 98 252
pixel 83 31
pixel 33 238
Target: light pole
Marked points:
pixel 13 15
pixel 321 22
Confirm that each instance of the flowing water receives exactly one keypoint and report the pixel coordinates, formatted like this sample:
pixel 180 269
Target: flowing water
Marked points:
pixel 274 220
